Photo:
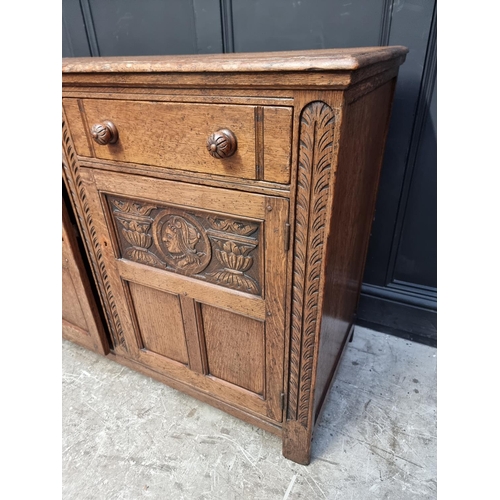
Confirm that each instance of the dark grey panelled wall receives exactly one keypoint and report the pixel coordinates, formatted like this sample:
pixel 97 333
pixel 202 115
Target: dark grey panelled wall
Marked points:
pixel 399 289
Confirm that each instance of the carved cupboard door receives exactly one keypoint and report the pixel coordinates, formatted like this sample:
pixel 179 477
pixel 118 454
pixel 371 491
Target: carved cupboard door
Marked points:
pixel 196 279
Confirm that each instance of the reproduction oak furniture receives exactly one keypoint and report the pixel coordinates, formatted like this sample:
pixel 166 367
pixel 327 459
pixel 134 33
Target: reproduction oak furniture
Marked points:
pixel 225 203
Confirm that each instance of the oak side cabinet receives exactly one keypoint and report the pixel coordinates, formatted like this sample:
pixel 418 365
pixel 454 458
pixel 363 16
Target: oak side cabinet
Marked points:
pixel 225 205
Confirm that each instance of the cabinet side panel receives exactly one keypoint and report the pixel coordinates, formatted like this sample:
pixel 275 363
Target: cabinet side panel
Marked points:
pixel 363 134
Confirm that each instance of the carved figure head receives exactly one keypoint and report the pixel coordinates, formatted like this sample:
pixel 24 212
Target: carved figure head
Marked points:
pixel 180 238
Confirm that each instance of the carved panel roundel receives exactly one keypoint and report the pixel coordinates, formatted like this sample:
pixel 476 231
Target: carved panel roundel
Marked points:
pixel 181 241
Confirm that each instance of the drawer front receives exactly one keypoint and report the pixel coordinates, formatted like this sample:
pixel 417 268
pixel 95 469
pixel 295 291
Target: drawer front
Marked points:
pixel 249 142
pixel 199 277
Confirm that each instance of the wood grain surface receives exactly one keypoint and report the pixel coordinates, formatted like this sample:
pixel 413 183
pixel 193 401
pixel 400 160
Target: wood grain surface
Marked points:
pixel 193 338
pixel 299 60
pixel 234 278
pixel 159 319
pixel 81 322
pixel 174 135
pixel 235 348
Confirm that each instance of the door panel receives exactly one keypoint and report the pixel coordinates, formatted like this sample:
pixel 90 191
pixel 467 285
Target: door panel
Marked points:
pixel 182 241
pixel 198 288
pixel 71 307
pixel 159 321
pixel 235 347
pixel 206 293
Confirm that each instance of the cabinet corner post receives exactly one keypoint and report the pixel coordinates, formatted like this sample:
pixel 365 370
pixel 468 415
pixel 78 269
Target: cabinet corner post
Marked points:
pixel 297 442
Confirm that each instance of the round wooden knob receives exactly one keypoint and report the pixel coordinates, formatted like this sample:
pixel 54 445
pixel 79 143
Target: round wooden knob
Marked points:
pixel 221 144
pixel 104 133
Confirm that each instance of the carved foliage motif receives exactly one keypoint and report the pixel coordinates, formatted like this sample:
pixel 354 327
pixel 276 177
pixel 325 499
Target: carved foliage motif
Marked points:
pixel 77 191
pixel 170 238
pixel 233 226
pixel 135 221
pixel 233 256
pixel 313 186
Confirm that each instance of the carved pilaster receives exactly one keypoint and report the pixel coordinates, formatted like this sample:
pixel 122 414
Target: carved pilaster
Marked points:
pixel 313 191
pixel 77 192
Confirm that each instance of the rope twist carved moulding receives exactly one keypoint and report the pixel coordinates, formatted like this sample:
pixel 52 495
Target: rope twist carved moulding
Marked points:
pixel 77 192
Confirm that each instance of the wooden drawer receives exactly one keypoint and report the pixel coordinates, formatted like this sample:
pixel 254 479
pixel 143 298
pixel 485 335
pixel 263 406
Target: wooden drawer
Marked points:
pixel 174 135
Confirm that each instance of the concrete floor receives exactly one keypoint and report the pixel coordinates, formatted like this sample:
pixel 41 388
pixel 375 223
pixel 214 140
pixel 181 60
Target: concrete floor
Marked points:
pixel 127 437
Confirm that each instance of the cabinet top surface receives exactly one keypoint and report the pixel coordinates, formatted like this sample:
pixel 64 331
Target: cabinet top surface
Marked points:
pixel 349 59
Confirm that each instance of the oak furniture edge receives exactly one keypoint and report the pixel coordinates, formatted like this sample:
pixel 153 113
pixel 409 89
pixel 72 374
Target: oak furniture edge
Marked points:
pixel 346 59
